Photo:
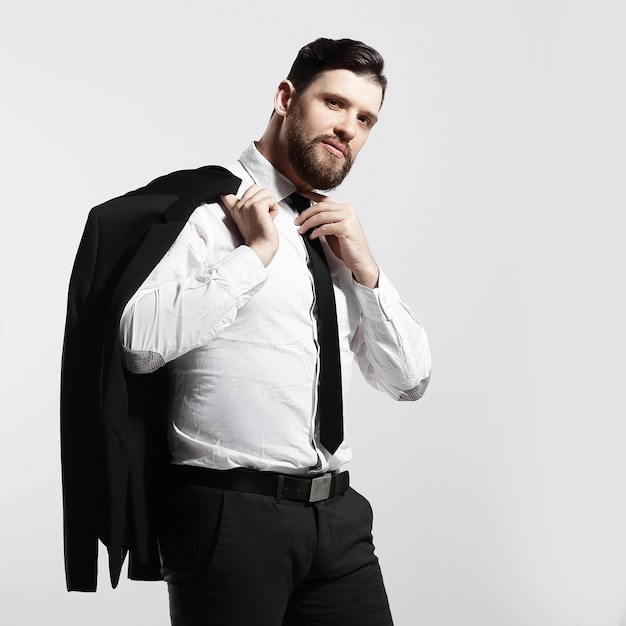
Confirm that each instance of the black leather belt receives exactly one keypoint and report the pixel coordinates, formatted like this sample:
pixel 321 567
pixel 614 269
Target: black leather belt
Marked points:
pixel 300 489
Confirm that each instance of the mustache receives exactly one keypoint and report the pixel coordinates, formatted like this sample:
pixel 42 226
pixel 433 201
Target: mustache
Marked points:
pixel 333 139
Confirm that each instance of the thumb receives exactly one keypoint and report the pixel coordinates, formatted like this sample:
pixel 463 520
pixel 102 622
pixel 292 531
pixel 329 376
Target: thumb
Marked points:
pixel 229 200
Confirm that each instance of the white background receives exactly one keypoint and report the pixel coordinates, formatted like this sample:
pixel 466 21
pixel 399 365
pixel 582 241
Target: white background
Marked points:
pixel 492 191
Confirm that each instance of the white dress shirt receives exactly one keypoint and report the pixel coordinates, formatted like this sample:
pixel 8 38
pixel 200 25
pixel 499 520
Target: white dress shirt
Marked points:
pixel 239 340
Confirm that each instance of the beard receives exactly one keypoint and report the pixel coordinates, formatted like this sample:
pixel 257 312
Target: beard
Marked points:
pixel 319 168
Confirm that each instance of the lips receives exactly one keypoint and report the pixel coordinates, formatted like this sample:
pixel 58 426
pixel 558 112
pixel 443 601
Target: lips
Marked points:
pixel 335 147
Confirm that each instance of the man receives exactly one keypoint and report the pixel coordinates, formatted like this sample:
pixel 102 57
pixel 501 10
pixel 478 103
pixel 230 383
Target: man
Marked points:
pixel 257 523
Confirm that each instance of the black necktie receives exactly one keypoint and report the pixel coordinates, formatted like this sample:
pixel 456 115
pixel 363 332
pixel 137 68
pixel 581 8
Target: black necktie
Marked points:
pixel 330 400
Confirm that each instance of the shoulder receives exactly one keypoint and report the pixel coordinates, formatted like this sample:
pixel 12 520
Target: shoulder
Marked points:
pixel 150 201
pixel 183 181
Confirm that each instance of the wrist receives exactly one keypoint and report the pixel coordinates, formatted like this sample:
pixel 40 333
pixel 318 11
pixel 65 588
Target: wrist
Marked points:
pixel 264 251
pixel 367 276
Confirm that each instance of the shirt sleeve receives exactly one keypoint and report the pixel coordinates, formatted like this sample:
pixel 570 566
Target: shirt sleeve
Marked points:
pixel 390 344
pixel 188 299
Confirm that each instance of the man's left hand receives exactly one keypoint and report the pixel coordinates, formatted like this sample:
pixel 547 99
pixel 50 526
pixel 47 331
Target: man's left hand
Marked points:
pixel 339 223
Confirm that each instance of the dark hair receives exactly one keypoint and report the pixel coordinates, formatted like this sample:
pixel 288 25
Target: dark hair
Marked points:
pixel 336 54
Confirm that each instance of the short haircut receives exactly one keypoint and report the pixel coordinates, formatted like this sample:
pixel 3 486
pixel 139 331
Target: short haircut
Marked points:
pixel 323 54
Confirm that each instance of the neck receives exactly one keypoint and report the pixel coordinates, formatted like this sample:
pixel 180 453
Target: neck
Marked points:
pixel 273 147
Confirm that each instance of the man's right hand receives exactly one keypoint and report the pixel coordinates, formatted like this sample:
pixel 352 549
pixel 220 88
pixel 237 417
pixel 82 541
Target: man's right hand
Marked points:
pixel 254 216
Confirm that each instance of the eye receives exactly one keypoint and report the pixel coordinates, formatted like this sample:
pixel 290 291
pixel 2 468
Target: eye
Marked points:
pixel 333 104
pixel 366 121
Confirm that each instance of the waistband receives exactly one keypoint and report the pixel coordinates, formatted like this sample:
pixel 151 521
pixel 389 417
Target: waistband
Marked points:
pixel 281 486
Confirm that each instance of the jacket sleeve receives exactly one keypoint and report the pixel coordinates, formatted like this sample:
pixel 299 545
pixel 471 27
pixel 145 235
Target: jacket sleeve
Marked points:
pixel 79 400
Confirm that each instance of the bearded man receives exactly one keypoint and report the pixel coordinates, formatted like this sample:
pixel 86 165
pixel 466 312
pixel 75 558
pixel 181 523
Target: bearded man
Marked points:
pixel 254 317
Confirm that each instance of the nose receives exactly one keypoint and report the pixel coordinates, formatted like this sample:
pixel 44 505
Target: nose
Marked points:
pixel 345 127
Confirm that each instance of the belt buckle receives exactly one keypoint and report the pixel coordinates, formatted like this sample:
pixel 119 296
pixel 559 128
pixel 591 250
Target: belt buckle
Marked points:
pixel 320 488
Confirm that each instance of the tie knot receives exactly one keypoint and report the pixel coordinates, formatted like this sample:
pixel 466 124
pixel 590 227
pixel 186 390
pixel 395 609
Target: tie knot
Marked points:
pixel 297 202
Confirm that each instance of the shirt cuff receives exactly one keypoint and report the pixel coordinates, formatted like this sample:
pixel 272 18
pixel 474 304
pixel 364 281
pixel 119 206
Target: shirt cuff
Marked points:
pixel 375 302
pixel 243 271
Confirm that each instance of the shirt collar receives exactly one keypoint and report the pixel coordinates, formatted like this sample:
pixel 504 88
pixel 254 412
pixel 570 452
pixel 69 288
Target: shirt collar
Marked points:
pixel 263 173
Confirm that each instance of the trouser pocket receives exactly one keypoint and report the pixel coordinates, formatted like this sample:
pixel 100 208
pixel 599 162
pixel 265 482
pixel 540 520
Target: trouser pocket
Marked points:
pixel 188 530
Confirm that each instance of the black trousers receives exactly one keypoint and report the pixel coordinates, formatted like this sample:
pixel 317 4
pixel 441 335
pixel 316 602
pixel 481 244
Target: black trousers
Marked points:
pixel 238 559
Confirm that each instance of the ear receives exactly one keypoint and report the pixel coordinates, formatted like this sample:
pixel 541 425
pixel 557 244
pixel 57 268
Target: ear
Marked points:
pixel 283 97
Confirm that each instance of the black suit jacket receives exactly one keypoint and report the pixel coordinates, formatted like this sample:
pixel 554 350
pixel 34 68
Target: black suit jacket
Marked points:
pixel 113 447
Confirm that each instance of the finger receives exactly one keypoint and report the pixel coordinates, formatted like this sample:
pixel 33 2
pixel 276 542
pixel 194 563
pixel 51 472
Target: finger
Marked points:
pixel 250 192
pixel 258 198
pixel 325 205
pixel 324 230
pixel 230 201
pixel 316 220
pixel 255 197
pixel 312 211
pixel 332 232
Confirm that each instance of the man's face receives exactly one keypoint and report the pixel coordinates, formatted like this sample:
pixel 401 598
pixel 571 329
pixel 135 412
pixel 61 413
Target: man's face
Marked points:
pixel 328 124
